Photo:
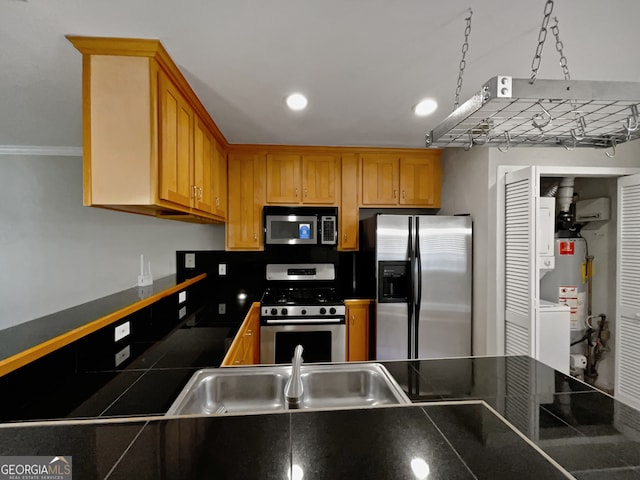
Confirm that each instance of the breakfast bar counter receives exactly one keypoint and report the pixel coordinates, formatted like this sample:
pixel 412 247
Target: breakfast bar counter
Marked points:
pixel 477 417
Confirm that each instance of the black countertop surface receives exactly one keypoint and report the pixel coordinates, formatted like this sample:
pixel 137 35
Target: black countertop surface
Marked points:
pixel 483 417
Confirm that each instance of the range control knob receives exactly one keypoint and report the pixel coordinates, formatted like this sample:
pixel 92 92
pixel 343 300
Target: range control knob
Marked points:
pixel 274 311
pixel 323 311
pixel 303 312
pixel 283 311
pixel 332 311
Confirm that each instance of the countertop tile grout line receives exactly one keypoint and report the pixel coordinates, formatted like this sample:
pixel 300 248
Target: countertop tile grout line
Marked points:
pixel 131 386
pixel 126 450
pixel 448 443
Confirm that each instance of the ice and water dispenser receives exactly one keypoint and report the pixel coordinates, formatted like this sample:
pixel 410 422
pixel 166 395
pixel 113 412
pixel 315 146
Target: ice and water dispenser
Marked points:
pixel 394 282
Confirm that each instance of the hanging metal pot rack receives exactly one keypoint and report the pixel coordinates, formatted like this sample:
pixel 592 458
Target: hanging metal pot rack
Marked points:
pixel 513 112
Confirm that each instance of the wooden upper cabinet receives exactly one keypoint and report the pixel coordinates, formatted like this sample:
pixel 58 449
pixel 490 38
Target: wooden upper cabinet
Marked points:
pixel 420 181
pixel 149 144
pixel 348 216
pixel 380 179
pixel 294 179
pixel 176 153
pixel 204 168
pixel 219 180
pixel 319 179
pixel 246 173
pixel 403 179
pixel 283 178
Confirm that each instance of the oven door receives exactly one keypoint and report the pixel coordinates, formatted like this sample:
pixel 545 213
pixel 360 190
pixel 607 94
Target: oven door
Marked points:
pixel 291 229
pixel 321 342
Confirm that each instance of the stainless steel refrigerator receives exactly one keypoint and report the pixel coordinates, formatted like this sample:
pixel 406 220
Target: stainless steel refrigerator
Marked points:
pixel 423 270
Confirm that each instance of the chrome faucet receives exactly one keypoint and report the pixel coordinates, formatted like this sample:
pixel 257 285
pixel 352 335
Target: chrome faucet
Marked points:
pixel 293 389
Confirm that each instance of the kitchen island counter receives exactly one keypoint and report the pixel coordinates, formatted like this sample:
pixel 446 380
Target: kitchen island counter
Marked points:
pixel 483 417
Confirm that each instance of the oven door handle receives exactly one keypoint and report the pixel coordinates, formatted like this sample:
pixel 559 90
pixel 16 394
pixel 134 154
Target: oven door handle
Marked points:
pixel 307 320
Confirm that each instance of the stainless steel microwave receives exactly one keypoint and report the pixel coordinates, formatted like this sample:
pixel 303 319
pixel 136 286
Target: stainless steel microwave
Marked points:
pixel 300 225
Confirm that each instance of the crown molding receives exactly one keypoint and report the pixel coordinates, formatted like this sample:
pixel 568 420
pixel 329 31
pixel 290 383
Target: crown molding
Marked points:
pixel 27 150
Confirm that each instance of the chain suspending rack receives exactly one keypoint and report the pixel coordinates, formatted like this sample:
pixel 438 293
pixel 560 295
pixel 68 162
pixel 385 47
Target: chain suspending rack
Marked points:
pixel 509 112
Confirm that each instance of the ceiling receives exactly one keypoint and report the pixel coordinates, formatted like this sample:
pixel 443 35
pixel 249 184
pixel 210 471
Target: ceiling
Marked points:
pixel 363 64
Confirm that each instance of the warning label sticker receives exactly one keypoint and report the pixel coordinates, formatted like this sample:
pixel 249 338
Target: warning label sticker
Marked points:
pixel 568 295
pixel 567 248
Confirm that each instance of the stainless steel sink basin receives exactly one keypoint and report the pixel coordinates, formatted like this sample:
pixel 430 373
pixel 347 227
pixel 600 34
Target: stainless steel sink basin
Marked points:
pixel 258 389
pixel 232 390
pixel 348 385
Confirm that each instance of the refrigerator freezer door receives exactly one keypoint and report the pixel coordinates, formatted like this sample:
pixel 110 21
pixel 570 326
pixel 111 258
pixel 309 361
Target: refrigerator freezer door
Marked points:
pixel 392 319
pixel 444 317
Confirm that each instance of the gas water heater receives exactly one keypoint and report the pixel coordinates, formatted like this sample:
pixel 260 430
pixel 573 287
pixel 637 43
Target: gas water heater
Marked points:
pixel 567 283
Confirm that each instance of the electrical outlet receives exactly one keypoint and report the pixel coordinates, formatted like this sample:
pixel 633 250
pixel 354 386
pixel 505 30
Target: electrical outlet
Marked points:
pixel 222 269
pixel 189 260
pixel 122 331
pixel 182 296
pixel 182 312
pixel 222 308
pixel 122 355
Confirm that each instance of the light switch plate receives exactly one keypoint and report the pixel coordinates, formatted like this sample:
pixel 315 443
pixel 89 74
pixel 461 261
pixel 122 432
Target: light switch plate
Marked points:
pixel 222 308
pixel 122 331
pixel 189 260
pixel 222 269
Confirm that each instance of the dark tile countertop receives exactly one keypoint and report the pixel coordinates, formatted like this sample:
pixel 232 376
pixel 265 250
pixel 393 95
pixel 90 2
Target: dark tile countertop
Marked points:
pixel 483 417
pixel 59 329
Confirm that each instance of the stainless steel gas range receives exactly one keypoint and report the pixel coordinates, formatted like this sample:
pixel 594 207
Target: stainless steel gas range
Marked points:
pixel 300 307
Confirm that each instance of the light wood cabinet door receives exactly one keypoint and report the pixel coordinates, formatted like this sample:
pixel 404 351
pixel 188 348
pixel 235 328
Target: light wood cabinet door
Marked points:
pixel 380 179
pixel 176 132
pixel 219 181
pixel 419 181
pixel 283 178
pixel 349 203
pixel 319 179
pixel 245 348
pixel 246 198
pixel 203 168
pixel 357 330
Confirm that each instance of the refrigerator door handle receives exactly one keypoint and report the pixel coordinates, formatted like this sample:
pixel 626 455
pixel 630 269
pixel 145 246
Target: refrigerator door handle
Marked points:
pixel 418 285
pixel 411 299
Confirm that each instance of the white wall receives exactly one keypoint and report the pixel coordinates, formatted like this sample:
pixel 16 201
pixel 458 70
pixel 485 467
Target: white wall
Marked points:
pixel 470 179
pixel 55 253
pixel 465 190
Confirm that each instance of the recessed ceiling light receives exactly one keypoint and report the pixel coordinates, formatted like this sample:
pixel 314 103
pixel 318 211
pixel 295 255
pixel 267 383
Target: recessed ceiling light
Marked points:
pixel 297 101
pixel 426 107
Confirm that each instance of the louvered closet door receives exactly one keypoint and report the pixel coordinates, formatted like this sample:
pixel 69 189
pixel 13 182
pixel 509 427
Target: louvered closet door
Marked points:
pixel 520 289
pixel 627 386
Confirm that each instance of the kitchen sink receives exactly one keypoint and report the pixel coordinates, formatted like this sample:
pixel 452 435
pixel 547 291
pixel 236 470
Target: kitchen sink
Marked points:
pixel 261 389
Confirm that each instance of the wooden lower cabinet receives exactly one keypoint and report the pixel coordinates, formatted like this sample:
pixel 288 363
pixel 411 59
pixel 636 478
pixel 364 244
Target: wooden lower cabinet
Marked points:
pixel 357 319
pixel 245 349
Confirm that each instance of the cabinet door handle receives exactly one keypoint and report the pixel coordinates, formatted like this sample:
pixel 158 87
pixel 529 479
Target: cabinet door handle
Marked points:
pixel 296 193
pixel 403 194
pixel 200 192
pixel 395 193
pixel 305 192
pixel 255 237
pixel 217 201
pixel 194 191
pixel 345 237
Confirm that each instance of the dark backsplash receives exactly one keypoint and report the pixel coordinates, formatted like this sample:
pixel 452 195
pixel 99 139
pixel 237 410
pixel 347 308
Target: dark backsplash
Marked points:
pixel 245 272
